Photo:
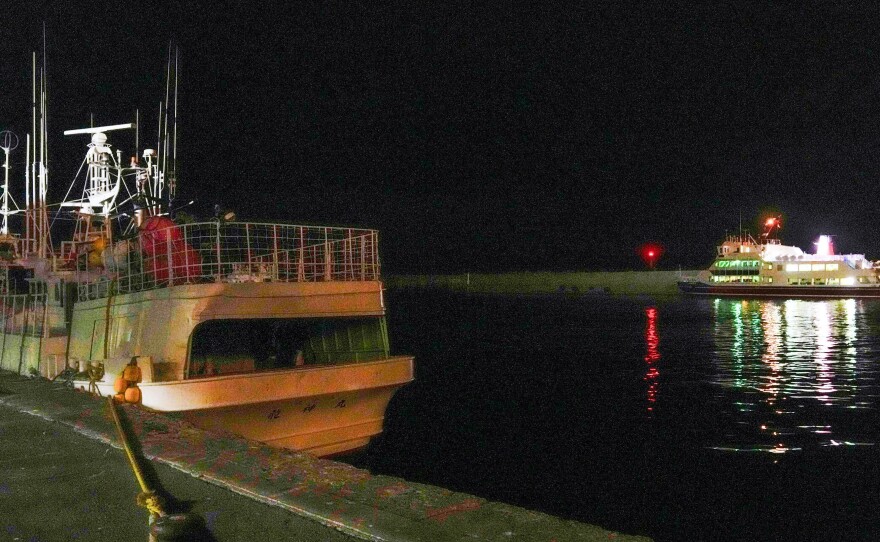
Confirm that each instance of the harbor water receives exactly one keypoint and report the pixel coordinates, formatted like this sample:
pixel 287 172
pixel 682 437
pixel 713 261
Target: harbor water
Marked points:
pixel 678 419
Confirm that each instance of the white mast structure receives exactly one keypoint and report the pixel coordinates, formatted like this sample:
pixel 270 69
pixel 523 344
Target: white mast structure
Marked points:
pixel 8 142
pixel 36 238
pixel 102 184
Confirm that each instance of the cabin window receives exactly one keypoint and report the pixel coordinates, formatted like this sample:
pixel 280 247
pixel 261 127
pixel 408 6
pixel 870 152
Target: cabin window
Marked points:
pixel 18 280
pixel 220 347
pixel 831 267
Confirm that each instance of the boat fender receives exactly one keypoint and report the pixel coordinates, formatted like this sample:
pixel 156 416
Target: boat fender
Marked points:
pixel 133 395
pixel 120 385
pixel 132 373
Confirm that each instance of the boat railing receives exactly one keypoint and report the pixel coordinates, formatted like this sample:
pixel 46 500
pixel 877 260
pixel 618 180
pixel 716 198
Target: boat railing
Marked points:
pixel 23 315
pixel 230 252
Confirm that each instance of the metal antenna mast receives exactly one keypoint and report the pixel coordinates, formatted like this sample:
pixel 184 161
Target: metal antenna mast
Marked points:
pixel 8 142
pixel 172 181
pixel 37 178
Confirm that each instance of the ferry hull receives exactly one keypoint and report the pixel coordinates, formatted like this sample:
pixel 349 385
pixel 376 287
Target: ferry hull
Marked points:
pixel 787 292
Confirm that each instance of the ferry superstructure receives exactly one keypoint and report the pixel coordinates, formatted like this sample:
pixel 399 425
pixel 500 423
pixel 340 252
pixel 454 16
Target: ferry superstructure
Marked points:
pixel 745 267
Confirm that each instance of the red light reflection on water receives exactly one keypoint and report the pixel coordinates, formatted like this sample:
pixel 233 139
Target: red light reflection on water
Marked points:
pixel 652 355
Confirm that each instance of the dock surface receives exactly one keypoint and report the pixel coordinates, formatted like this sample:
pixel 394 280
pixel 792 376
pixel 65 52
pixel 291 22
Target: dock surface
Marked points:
pixel 64 476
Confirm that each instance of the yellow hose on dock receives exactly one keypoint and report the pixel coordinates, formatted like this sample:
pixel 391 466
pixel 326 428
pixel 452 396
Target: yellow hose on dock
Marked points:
pixel 147 497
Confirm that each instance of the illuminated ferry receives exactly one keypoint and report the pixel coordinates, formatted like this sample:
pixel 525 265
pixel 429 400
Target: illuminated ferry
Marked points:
pixel 273 331
pixel 744 267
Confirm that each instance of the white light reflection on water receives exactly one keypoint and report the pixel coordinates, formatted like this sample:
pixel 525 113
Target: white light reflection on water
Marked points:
pixel 794 374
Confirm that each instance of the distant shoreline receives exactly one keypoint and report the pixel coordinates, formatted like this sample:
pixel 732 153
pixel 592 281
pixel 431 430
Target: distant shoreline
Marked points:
pixel 628 283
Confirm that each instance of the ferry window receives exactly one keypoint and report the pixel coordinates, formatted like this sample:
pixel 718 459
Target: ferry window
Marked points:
pixel 791 267
pixel 779 267
pixel 804 267
pixel 818 267
pixel 848 281
pixel 219 347
pixel 831 267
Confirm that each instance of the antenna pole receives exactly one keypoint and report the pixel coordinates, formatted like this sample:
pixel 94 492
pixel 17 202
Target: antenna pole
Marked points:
pixel 159 162
pixel 30 229
pixel 4 229
pixel 172 185
pixel 27 194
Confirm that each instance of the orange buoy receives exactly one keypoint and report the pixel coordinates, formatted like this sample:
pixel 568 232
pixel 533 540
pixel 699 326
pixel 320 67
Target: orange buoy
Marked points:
pixel 120 385
pixel 133 395
pixel 132 373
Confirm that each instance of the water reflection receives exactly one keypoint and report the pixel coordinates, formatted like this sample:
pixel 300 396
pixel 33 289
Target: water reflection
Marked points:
pixel 791 373
pixel 652 355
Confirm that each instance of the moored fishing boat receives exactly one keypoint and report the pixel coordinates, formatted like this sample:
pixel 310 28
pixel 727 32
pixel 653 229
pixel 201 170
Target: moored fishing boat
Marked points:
pixel 746 267
pixel 273 331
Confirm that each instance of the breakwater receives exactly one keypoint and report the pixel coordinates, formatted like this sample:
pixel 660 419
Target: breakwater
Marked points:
pixel 631 283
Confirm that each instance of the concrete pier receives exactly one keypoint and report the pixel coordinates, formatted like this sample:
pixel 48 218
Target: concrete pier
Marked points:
pixel 62 477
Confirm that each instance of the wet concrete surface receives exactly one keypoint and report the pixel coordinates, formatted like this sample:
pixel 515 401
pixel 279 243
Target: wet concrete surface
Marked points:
pixel 64 476
pixel 56 484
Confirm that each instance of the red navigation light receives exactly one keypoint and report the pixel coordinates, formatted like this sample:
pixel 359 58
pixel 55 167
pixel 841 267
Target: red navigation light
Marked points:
pixel 771 224
pixel 650 253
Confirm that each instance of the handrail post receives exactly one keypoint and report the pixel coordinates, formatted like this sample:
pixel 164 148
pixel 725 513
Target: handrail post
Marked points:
pixel 328 270
pixel 218 251
pixel 247 240
pixel 374 253
pixel 275 252
pixel 169 260
pixel 185 254
pixel 363 257
pixel 301 259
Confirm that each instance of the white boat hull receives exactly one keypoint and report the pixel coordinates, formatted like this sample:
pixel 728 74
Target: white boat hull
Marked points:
pixel 323 410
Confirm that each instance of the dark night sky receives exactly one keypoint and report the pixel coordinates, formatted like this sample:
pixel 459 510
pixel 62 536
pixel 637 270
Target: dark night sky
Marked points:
pixel 488 138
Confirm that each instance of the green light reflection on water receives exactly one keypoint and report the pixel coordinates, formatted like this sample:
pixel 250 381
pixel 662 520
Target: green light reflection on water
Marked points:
pixel 783 359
